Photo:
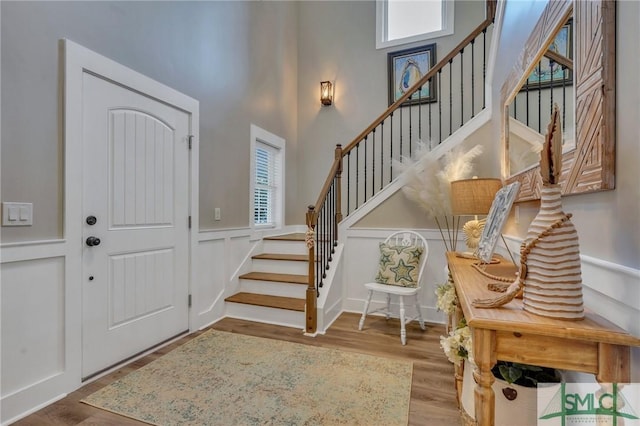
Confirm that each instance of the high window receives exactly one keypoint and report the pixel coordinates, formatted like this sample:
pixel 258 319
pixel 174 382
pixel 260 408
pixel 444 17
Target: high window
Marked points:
pixel 407 21
pixel 267 179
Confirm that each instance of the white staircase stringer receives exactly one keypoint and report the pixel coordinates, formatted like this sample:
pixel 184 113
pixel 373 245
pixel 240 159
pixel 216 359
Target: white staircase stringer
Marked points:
pixel 329 304
pixel 396 184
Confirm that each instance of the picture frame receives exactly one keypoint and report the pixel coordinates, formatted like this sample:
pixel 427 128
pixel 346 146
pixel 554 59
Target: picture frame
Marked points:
pixel 496 219
pixel 405 68
pixel 545 69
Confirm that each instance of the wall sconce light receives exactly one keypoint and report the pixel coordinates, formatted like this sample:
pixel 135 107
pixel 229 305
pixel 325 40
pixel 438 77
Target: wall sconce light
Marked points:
pixel 326 93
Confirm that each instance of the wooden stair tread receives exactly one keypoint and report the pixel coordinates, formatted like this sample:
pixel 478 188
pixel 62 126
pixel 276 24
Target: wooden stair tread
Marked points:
pixel 281 278
pixel 281 256
pixel 279 302
pixel 299 236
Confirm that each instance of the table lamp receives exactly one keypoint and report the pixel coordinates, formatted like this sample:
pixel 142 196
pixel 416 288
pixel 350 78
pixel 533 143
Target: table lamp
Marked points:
pixel 473 197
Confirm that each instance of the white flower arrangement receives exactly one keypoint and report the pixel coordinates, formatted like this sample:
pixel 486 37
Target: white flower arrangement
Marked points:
pixel 447 298
pixel 458 345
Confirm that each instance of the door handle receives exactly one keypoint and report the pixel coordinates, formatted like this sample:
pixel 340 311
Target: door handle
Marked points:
pixel 93 241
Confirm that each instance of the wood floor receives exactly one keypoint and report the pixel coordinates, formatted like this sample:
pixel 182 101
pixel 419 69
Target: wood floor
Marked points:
pixel 432 393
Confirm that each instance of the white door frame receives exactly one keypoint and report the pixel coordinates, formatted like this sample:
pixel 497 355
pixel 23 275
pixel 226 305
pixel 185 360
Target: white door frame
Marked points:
pixel 78 60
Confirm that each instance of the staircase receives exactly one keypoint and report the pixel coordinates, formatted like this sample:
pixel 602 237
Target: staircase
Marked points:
pixel 274 290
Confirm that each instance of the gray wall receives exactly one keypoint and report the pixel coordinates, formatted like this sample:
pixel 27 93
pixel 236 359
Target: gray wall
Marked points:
pixel 337 43
pixel 239 59
pixel 607 222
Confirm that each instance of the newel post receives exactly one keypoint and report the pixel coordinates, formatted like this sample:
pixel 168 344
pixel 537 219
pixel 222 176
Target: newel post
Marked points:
pixel 338 157
pixel 311 315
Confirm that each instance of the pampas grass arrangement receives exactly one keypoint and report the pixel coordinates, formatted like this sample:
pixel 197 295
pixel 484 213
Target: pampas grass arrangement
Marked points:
pixel 427 182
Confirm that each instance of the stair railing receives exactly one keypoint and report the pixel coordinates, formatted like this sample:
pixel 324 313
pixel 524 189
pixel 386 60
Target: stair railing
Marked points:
pixel 395 133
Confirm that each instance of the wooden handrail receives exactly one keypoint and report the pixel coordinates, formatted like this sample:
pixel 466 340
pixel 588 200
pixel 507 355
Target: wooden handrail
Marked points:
pixel 562 60
pixel 430 74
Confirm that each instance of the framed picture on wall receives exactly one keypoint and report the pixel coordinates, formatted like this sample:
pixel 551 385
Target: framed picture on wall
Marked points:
pixel 548 73
pixel 405 68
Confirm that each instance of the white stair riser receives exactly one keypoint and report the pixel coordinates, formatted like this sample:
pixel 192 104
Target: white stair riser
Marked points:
pixel 273 288
pixel 284 247
pixel 280 266
pixel 266 315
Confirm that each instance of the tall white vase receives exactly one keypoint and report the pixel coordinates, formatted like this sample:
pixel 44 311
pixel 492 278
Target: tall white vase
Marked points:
pixel 553 281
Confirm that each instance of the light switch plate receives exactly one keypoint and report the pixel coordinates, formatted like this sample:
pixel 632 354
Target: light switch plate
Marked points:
pixel 17 214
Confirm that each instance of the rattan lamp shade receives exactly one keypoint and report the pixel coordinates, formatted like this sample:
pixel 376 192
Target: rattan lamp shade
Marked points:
pixel 473 196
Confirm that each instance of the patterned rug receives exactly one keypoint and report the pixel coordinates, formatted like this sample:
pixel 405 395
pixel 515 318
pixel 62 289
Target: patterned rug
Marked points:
pixel 222 378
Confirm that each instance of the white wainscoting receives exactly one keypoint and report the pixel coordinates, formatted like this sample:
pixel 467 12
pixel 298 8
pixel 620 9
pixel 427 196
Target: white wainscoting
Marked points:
pixel 361 263
pixel 221 257
pixel 37 365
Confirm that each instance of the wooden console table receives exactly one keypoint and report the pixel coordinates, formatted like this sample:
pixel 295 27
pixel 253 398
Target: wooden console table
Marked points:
pixel 592 345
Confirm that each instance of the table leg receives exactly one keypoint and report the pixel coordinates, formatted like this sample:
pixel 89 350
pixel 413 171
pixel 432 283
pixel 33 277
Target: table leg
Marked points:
pixel 484 345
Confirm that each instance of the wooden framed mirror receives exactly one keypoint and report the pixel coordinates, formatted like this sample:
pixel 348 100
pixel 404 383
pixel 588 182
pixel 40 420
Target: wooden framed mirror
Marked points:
pixel 589 164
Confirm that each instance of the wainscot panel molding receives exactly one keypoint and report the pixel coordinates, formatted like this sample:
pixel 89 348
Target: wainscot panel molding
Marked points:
pixel 35 327
pixel 361 262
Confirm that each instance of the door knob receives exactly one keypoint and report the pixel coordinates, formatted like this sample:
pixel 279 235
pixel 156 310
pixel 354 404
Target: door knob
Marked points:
pixel 93 241
pixel 91 220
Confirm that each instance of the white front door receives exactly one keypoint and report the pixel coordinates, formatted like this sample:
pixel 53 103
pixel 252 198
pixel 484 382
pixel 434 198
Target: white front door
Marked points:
pixel 135 203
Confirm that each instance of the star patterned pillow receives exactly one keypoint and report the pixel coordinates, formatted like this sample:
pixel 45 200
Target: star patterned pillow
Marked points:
pixel 399 265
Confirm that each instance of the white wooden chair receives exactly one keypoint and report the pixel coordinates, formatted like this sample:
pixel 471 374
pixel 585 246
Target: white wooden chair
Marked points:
pixel 400 238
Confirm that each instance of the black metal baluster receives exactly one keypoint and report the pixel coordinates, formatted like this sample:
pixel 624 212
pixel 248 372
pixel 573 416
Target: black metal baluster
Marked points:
pixel 440 105
pixel 539 99
pixel 381 154
pixel 401 127
pixel 357 174
pixel 430 103
pixel 473 78
pixel 526 91
pixel 318 259
pixel 332 216
pixel 420 114
pixel 348 182
pixel 564 95
pixel 450 96
pixel 484 68
pixel 373 164
pixel 551 89
pixel 410 130
pixel 461 87
pixel 365 169
pixel 391 149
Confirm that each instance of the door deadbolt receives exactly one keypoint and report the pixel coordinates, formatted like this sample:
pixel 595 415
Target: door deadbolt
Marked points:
pixel 91 220
pixel 93 241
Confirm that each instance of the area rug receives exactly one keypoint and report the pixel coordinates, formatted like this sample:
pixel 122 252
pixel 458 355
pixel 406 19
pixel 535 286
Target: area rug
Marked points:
pixel 222 378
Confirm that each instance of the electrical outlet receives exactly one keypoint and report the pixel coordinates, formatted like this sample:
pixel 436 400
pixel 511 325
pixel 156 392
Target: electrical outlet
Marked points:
pixel 216 213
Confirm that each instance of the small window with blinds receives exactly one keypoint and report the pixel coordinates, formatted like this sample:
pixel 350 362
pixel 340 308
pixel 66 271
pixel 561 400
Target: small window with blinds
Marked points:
pixel 267 179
